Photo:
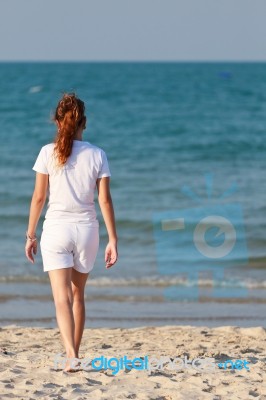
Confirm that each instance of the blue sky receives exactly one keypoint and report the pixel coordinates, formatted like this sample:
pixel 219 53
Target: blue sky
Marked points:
pixel 122 30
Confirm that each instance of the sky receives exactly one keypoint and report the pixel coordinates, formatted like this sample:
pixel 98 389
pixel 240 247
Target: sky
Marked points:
pixel 133 30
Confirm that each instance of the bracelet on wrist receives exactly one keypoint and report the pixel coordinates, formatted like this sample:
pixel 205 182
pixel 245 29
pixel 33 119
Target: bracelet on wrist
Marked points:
pixel 31 239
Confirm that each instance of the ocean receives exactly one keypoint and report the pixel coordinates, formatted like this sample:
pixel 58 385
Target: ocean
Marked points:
pixel 184 141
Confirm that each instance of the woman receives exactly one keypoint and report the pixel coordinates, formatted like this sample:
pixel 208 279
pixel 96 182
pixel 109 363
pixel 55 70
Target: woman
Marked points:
pixel 71 169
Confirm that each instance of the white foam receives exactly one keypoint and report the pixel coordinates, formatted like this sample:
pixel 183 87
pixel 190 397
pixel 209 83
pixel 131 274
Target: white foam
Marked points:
pixel 35 89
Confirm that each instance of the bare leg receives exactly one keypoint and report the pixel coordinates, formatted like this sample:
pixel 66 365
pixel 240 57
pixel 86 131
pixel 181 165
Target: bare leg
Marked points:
pixel 63 298
pixel 78 285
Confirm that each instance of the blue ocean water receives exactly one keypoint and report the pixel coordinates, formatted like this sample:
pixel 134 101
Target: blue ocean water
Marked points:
pixel 164 127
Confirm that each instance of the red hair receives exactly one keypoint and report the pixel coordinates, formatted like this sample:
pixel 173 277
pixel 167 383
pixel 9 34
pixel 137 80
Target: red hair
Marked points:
pixel 70 113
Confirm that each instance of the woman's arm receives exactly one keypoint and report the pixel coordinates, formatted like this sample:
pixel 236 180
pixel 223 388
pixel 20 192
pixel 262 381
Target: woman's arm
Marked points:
pixel 37 203
pixel 106 205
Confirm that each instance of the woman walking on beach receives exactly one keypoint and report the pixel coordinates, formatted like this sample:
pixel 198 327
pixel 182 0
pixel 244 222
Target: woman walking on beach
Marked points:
pixel 71 169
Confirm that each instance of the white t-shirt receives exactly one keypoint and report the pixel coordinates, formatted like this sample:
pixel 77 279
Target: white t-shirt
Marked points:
pixel 71 187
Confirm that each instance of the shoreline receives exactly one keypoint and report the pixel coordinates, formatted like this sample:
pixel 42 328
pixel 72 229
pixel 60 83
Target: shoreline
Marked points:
pixel 28 355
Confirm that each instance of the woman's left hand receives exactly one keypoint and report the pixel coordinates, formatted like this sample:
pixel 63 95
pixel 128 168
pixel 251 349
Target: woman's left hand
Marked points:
pixel 29 248
pixel 111 254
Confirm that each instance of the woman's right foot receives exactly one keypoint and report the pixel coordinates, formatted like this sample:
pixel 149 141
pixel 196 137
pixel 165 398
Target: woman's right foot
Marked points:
pixel 72 364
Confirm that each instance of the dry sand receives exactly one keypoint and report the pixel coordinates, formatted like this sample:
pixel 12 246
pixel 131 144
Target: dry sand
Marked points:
pixel 28 369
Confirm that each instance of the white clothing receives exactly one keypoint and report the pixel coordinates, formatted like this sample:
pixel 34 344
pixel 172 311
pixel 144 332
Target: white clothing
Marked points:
pixel 70 235
pixel 68 244
pixel 71 187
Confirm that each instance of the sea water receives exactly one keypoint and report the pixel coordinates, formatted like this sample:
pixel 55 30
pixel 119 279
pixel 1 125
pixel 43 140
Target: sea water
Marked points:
pixel 164 127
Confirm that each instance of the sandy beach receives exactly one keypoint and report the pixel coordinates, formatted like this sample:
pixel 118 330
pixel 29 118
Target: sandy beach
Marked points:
pixel 29 369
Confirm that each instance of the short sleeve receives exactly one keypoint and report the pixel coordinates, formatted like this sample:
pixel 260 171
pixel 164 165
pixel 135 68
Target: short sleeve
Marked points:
pixel 40 163
pixel 105 171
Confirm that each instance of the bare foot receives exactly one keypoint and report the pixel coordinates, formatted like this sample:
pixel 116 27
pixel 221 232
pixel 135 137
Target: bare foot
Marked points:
pixel 72 365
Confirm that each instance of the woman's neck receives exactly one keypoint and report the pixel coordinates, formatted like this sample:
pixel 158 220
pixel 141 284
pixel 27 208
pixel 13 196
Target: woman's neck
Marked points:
pixel 78 136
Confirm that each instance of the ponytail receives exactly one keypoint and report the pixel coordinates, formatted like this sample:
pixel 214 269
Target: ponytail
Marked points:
pixel 70 113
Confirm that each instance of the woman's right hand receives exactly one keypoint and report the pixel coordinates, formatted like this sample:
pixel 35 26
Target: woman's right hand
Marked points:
pixel 111 254
pixel 30 249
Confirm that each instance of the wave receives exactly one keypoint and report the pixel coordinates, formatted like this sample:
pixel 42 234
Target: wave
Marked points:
pixel 35 89
pixel 149 281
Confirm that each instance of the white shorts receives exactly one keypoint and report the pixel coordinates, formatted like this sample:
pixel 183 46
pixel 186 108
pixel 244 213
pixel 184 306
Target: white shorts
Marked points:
pixel 69 244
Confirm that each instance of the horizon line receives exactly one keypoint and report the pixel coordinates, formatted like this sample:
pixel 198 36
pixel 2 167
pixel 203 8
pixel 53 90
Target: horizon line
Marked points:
pixel 132 61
